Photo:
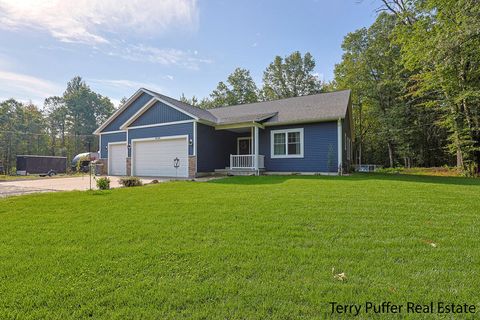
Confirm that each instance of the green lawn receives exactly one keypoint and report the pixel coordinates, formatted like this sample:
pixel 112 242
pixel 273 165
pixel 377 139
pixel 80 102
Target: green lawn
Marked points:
pixel 240 248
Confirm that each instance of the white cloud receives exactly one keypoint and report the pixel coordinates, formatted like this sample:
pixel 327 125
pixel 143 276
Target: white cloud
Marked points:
pixel 105 24
pixel 90 21
pixel 120 84
pixel 19 86
pixel 320 76
pixel 166 57
pixel 116 102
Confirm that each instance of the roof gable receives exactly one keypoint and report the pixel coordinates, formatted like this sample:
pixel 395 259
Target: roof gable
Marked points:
pixel 132 105
pixel 194 112
pixel 138 103
pixel 159 112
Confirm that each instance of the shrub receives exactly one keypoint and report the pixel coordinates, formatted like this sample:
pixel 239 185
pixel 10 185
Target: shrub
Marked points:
pixel 103 183
pixel 130 182
pixel 155 181
pixel 390 170
pixel 470 169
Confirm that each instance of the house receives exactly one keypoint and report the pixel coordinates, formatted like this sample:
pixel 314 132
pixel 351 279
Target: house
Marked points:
pixel 155 135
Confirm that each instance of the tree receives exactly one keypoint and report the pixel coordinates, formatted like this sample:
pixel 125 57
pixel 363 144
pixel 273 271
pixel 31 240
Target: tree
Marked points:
pixel 440 41
pixel 122 102
pixel 290 77
pixel 87 111
pixel 64 127
pixel 239 89
pixel 371 67
pixel 389 123
pixel 22 131
pixel 204 103
pixel 58 120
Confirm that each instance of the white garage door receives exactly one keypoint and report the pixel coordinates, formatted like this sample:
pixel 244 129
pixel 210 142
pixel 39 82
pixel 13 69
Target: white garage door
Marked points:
pixel 155 158
pixel 117 157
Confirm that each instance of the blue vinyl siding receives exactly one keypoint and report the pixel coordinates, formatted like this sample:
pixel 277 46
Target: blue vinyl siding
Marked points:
pixel 214 148
pixel 320 144
pixel 162 131
pixel 128 112
pixel 106 138
pixel 159 113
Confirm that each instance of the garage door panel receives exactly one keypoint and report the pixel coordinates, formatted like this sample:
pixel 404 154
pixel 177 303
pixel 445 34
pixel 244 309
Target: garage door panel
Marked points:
pixel 117 159
pixel 156 157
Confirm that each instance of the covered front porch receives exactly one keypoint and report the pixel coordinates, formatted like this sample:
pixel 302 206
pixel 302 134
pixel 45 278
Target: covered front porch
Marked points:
pixel 247 158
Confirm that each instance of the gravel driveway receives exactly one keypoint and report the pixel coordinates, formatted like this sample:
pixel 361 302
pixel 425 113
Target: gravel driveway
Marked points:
pixel 19 187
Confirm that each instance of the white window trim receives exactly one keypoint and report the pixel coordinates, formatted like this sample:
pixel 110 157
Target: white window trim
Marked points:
pixel 286 131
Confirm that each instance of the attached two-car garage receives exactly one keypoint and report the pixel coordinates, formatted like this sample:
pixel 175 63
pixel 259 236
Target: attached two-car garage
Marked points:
pixel 157 157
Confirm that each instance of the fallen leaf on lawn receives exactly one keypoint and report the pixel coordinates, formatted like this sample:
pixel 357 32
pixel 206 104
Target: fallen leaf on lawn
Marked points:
pixel 339 276
pixel 431 243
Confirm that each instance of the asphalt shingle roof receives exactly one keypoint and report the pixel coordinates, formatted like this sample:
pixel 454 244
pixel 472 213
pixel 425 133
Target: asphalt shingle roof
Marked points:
pixel 323 106
pixel 316 107
pixel 246 118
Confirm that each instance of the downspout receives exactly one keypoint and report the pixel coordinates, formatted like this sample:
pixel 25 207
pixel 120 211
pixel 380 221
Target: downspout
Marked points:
pixel 339 146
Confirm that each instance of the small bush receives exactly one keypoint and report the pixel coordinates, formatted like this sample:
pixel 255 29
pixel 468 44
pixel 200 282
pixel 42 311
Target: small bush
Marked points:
pixel 396 170
pixel 103 183
pixel 154 181
pixel 130 182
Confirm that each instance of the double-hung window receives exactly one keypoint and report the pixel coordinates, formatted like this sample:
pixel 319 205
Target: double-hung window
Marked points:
pixel 287 143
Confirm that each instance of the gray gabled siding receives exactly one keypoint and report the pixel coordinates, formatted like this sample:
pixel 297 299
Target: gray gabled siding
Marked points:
pixel 162 131
pixel 106 138
pixel 320 144
pixel 159 113
pixel 214 148
pixel 128 112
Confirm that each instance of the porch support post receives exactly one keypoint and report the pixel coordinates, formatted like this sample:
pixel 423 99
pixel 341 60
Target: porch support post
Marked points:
pixel 255 159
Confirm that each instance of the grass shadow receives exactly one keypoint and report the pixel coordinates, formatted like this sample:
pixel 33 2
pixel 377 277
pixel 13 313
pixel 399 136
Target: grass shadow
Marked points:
pixel 268 180
pixel 99 192
pixel 461 181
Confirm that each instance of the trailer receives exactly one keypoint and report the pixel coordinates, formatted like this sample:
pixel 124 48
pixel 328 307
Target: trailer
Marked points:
pixel 43 165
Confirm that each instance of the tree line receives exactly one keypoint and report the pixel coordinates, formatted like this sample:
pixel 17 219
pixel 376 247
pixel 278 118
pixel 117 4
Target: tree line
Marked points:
pixel 287 77
pixel 415 78
pixel 63 127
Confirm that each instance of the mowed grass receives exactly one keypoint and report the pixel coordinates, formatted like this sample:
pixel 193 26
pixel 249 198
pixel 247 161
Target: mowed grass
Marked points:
pixel 240 248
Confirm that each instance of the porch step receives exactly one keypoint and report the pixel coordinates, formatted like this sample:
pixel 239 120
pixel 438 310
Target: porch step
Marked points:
pixel 238 172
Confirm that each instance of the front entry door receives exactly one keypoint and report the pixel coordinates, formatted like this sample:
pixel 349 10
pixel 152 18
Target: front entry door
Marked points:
pixel 244 145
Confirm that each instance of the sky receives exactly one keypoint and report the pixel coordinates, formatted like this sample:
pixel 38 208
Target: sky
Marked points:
pixel 170 46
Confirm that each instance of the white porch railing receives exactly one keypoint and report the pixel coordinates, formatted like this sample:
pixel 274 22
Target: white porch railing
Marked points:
pixel 243 161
